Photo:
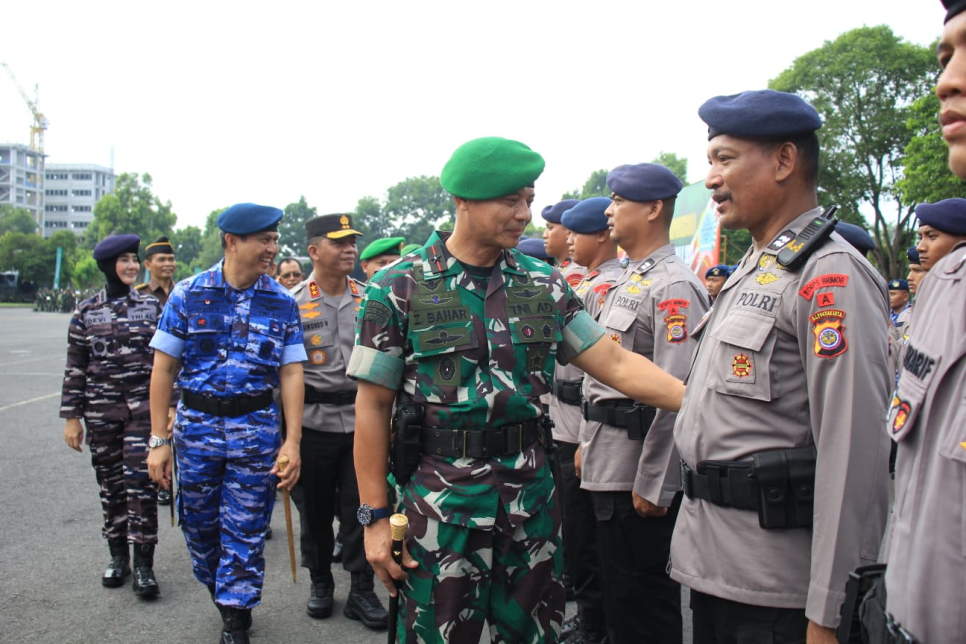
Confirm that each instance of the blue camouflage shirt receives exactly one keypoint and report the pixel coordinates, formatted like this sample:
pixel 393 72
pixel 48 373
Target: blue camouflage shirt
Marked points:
pixel 230 342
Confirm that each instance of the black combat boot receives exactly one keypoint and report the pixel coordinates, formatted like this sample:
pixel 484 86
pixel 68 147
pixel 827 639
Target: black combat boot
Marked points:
pixel 362 603
pixel 145 585
pixel 237 622
pixel 247 623
pixel 320 594
pixel 120 566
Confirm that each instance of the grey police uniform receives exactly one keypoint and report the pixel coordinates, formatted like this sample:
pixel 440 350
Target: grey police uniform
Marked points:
pixel 328 420
pixel 648 311
pixel 789 359
pixel 927 549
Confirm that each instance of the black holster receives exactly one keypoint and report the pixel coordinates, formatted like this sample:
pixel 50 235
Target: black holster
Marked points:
pixel 863 619
pixel 786 487
pixel 406 446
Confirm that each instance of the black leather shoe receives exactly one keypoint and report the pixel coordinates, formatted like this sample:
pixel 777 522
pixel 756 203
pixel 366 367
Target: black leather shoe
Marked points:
pixel 363 604
pixel 569 627
pixel 164 496
pixel 145 585
pixel 237 622
pixel 337 551
pixel 120 566
pixel 320 599
pixel 268 533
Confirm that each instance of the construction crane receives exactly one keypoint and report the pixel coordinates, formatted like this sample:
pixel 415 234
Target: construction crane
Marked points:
pixel 40 121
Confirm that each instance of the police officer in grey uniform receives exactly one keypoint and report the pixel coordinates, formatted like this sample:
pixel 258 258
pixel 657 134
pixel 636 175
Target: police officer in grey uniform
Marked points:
pixel 790 377
pixel 648 311
pixel 589 245
pixel 927 547
pixel 328 303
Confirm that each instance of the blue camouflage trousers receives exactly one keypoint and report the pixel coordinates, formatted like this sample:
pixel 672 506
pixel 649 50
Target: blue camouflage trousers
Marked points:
pixel 119 453
pixel 225 498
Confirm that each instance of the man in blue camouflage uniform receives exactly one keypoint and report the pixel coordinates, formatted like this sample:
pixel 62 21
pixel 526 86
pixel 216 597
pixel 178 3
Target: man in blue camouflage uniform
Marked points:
pixel 106 383
pixel 230 335
pixel 469 329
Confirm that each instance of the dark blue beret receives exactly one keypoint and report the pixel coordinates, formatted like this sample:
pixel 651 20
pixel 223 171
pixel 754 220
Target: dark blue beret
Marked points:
pixel 644 182
pixel 587 216
pixel 856 235
pixel 953 8
pixel 721 270
pixel 533 248
pixel 555 212
pixel 899 285
pixel 759 114
pixel 248 218
pixel 913 255
pixel 948 215
pixel 115 245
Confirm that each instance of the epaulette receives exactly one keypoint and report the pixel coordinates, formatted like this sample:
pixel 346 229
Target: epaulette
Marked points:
pixel 793 254
pixel 140 286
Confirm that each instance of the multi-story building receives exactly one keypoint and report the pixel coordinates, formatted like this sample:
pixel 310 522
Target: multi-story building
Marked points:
pixel 22 179
pixel 70 192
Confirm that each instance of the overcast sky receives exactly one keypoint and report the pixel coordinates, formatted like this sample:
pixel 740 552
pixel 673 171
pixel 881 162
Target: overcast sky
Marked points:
pixel 223 102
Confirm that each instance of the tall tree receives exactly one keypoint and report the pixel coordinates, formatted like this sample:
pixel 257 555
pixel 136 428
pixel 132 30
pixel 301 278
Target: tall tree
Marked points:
pixel 187 243
pixel 595 186
pixel 291 229
pixel 416 206
pixel 27 253
pixel 675 164
pixel 211 250
pixel 864 84
pixel 132 208
pixel 927 174
pixel 17 220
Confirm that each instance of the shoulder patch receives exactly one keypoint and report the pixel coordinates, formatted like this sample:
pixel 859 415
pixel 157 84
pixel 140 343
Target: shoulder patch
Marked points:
pixel 781 240
pixel 376 312
pixel 823 281
pixel 829 333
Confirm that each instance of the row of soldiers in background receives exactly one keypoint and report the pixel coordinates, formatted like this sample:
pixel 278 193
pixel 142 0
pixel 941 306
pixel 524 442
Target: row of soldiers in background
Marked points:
pixel 60 300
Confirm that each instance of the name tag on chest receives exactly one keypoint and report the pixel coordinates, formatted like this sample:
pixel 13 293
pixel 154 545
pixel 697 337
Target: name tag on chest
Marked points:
pixel 96 318
pixel 141 313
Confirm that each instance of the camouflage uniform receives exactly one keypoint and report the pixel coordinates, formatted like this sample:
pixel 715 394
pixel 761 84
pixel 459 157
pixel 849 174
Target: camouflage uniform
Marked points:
pixel 477 352
pixel 230 343
pixel 106 383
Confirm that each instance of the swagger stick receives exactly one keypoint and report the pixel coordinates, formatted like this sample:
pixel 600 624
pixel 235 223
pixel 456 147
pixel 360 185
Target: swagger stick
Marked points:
pixel 398 524
pixel 287 501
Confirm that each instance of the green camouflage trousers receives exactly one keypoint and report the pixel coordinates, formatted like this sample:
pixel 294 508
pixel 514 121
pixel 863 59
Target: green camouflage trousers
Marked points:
pixel 508 577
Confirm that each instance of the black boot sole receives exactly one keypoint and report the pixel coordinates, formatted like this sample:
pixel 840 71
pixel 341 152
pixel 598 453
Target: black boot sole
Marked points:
pixel 352 613
pixel 146 592
pixel 115 582
pixel 318 613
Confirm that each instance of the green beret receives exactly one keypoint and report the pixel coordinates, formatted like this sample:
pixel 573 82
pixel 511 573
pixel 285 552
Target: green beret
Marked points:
pixel 387 246
pixel 409 248
pixel 490 167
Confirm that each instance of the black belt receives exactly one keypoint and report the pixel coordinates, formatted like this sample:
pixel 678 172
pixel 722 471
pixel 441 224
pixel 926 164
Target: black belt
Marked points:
pixel 480 443
pixel 230 407
pixel 568 391
pixel 634 417
pixel 729 484
pixel 315 397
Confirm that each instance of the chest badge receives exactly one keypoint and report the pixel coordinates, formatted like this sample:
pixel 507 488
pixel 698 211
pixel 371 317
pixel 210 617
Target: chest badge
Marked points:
pixel 316 339
pixel 741 366
pixel 318 357
pixel 766 278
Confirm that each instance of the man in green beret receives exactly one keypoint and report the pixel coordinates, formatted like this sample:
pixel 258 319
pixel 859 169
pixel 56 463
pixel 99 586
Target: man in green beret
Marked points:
pixel 459 341
pixel 380 253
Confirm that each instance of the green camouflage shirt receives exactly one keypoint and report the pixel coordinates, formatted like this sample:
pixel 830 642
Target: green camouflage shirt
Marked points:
pixel 475 355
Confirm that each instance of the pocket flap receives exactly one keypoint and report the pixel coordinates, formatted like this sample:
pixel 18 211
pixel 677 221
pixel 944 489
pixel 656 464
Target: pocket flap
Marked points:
pixel 621 319
pixel 745 330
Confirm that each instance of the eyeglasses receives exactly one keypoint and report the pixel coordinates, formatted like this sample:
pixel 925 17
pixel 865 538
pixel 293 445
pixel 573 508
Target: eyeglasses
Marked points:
pixel 288 275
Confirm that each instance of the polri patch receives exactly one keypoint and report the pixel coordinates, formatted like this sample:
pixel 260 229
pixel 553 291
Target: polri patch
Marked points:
pixel 829 333
pixel 741 365
pixel 677 328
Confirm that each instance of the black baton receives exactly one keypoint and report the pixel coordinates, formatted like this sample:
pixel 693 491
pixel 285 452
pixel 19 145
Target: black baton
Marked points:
pixel 398 524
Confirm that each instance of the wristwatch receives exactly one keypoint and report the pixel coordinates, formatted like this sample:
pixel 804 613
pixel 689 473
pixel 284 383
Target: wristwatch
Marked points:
pixel 157 441
pixel 368 515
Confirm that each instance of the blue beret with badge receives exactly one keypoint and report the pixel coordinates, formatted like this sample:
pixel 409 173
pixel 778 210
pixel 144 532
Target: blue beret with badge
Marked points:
pixel 587 216
pixel 533 248
pixel 249 218
pixel 858 236
pixel 759 114
pixel 644 182
pixel 948 215
pixel 899 285
pixel 114 245
pixel 554 213
pixel 953 8
pixel 913 255
pixel 721 270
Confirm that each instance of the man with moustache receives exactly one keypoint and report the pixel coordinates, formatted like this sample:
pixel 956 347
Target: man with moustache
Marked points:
pixel 290 272
pixel 784 465
pixel 626 454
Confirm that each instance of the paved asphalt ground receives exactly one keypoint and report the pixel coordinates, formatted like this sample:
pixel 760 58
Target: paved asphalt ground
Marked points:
pixel 51 550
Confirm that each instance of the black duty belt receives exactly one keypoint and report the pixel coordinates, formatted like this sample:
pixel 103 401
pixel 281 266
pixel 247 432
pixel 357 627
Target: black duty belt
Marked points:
pixel 634 417
pixel 728 484
pixel 480 443
pixel 314 396
pixel 230 407
pixel 568 391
